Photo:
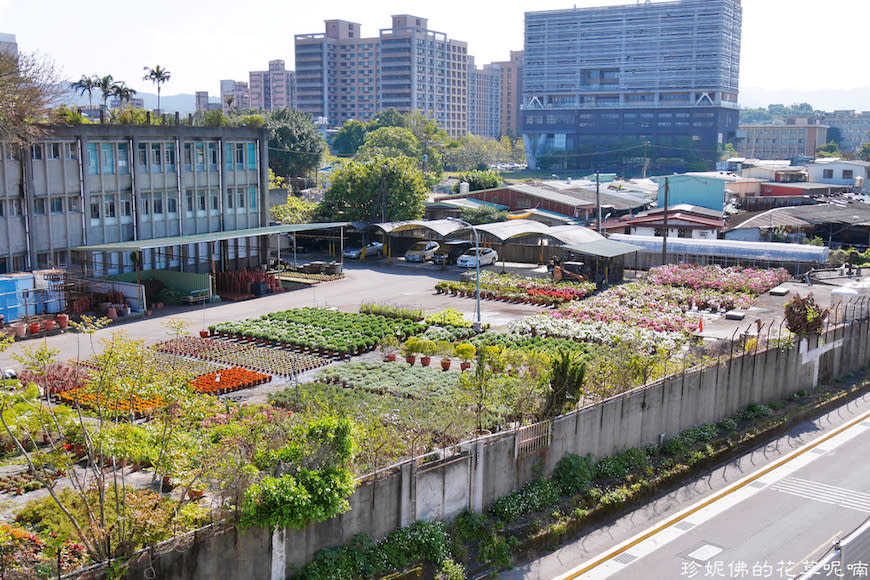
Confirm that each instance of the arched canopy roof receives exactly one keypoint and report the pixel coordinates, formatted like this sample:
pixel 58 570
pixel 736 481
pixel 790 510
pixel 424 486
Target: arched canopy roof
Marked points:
pixel 504 231
pixel 440 227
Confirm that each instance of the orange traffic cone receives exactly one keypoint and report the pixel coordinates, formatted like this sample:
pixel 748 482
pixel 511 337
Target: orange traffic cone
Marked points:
pixel 701 325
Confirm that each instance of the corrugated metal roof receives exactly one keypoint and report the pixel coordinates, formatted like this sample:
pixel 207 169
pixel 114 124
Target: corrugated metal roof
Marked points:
pixel 550 195
pixel 139 245
pixel 574 235
pixel 734 249
pixel 604 248
pixel 504 231
pixel 440 227
pixel 470 203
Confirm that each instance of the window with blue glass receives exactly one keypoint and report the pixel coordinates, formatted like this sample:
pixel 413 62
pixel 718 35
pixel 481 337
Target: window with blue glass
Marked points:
pixel 240 156
pixel 252 156
pixel 212 157
pixel 108 158
pixel 169 157
pixel 123 158
pixel 93 163
pixel 228 157
pixel 156 158
pixel 252 191
pixel 188 157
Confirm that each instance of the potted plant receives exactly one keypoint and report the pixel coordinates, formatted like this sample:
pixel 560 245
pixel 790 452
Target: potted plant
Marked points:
pixel 427 349
pixel 388 346
pixel 465 351
pixel 445 349
pixel 410 348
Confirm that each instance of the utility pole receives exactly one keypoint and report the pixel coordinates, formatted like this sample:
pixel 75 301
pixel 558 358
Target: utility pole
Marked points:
pixel 665 237
pixel 598 199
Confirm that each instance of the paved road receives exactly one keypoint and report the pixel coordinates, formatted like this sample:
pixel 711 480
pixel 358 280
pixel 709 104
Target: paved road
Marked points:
pixel 751 514
pixel 398 284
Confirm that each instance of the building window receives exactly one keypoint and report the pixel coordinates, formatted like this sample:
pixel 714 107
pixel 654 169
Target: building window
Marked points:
pixel 93 167
pixel 52 151
pixel 252 156
pixel 200 157
pixel 156 160
pixel 201 199
pixel 169 153
pixel 71 151
pixel 42 260
pixel 212 157
pixel 172 206
pixel 108 158
pixel 56 205
pixel 215 201
pixel 95 209
pixel 253 192
pixel 228 158
pixel 684 233
pixel 188 196
pixel 240 156
pixel 123 158
pixel 146 205
pixel 2 208
pixel 4 266
pixel 188 157
pixel 60 260
pixel 36 152
pixel 847 174
pixel 241 198
pixel 230 198
pixel 73 205
pixel 827 174
pixel 142 155
pixel 158 205
pixel 109 206
pixel 126 207
pixel 39 206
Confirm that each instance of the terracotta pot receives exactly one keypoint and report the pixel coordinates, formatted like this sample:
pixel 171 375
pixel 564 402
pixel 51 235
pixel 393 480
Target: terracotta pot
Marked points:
pixel 464 365
pixel 410 359
pixel 19 328
pixel 445 364
pixel 203 334
pixel 112 314
pixel 33 328
pixel 63 320
pixel 425 360
pixel 391 357
pixel 48 325
pixel 195 494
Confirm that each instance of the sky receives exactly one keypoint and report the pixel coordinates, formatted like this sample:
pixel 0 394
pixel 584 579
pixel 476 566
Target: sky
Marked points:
pixel 801 45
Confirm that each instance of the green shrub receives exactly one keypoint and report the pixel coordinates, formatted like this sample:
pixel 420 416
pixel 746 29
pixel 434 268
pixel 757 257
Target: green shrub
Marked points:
pixel 610 468
pixel 573 473
pixel 633 459
pixel 532 497
pixel 496 550
pixel 699 434
pixel 755 410
pixel 469 526
pixel 727 425
pixel 674 447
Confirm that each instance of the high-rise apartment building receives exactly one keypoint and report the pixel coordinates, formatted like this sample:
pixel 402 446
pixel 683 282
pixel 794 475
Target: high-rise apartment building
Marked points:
pixel 8 43
pixel 656 81
pixel 511 92
pixel 235 95
pixel 272 89
pixel 341 75
pixel 484 100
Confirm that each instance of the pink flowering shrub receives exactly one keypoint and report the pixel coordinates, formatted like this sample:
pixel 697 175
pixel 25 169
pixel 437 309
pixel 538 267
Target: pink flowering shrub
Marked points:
pixel 733 279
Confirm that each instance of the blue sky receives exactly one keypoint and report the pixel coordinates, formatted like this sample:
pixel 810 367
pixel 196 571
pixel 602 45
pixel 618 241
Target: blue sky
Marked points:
pixel 787 44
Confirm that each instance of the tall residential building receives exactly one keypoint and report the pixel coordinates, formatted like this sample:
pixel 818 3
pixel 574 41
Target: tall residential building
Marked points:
pixel 484 100
pixel 272 89
pixel 94 184
pixel 201 101
pixel 511 87
pixel 235 95
pixel 340 75
pixel 8 43
pixel 619 86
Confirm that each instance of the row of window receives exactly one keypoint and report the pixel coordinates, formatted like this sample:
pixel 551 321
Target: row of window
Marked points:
pixel 195 200
pixel 111 158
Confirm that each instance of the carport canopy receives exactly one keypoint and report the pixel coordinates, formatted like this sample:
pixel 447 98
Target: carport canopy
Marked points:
pixel 441 227
pixel 603 248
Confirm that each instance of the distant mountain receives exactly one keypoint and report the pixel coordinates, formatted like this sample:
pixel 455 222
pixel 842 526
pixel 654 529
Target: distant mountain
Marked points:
pixel 823 99
pixel 182 103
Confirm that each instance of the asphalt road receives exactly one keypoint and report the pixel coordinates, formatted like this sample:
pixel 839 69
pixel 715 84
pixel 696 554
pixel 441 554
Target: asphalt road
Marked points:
pixel 767 514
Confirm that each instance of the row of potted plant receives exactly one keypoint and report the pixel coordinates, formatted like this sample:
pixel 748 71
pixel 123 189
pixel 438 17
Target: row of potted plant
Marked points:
pixel 113 406
pixel 429 348
pixel 393 378
pixel 598 332
pixel 229 380
pixel 390 311
pixel 327 331
pixel 24 481
pixel 723 279
pixel 273 361
pixel 514 288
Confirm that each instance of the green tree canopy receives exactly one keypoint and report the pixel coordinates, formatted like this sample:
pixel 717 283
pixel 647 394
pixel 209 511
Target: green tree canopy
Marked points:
pixel 830 149
pixel 295 144
pixel 390 142
pixel 295 211
pixel 378 189
pixel 350 137
pixel 28 86
pixel 388 118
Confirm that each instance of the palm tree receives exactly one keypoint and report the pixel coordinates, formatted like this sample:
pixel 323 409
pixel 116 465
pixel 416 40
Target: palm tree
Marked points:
pixel 107 85
pixel 87 85
pixel 123 92
pixel 157 75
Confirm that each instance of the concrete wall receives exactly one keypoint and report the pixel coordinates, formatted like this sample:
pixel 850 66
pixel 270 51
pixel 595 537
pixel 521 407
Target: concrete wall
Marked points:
pixel 476 473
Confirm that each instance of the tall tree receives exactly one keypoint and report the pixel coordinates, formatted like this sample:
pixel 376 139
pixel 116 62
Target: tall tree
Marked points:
pixel 380 189
pixel 107 85
pixel 123 92
pixel 295 144
pixel 157 75
pixel 86 84
pixel 390 142
pixel 28 88
pixel 350 137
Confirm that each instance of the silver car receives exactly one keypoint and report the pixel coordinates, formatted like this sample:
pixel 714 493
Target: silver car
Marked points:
pixel 421 251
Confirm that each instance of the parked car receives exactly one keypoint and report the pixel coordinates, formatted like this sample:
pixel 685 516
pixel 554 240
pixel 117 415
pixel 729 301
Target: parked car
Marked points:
pixel 469 259
pixel 450 251
pixel 372 249
pixel 421 251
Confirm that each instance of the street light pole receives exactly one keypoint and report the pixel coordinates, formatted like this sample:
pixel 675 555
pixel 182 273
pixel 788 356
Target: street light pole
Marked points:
pixel 477 326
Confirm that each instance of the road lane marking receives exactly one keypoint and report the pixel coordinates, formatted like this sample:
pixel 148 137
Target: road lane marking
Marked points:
pixel 823 546
pixel 822 492
pixel 602 566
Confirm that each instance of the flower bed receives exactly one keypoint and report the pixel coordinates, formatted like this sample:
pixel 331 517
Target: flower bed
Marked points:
pixel 25 481
pixel 327 331
pixel 527 342
pixel 598 332
pixel 510 287
pixel 732 279
pixel 389 311
pixel 395 378
pixel 229 380
pixel 112 406
pixel 274 361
